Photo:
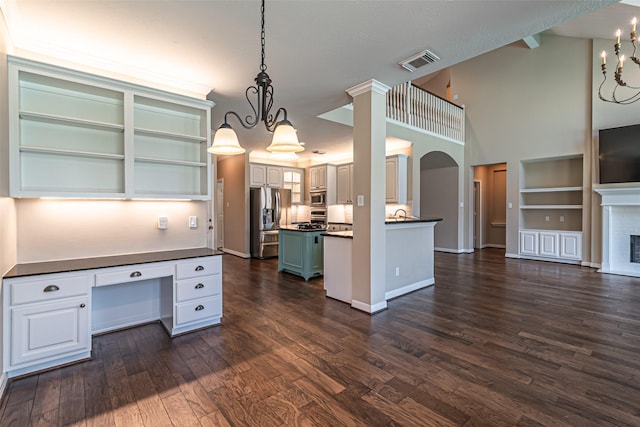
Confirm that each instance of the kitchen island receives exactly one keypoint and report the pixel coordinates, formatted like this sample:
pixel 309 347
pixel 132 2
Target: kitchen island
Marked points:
pixel 408 261
pixel 300 250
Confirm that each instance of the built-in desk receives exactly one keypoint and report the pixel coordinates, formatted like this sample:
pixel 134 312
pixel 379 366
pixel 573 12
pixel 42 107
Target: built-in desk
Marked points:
pixel 51 309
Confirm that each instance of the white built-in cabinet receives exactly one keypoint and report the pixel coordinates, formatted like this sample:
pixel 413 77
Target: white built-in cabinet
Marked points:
pixel 396 179
pixel 344 180
pixel 551 203
pixel 318 177
pixel 48 319
pixel 265 175
pixel 74 134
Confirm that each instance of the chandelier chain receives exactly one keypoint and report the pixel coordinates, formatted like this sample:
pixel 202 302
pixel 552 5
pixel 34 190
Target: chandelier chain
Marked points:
pixel 263 67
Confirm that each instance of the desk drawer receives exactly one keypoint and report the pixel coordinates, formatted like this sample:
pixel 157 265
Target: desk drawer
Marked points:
pixel 205 266
pixel 132 273
pixel 196 310
pixel 48 287
pixel 199 287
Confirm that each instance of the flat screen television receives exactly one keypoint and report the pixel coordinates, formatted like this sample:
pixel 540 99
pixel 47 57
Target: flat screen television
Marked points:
pixel 619 150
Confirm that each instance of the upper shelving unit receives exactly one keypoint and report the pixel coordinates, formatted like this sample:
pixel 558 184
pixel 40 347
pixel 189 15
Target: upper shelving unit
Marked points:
pixel 79 135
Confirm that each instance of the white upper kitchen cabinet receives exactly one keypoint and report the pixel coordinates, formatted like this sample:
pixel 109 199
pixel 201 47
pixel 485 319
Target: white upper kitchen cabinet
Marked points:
pixel 396 178
pixel 79 135
pixel 265 175
pixel 344 179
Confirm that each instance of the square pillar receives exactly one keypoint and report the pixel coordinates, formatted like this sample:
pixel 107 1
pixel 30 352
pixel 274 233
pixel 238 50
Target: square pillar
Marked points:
pixel 369 188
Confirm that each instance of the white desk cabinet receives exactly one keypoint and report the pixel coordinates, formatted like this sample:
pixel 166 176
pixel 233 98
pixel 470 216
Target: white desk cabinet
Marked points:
pixel 48 318
pixel 551 245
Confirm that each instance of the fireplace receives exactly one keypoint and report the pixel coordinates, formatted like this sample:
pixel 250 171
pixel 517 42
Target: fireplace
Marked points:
pixel 620 229
pixel 635 248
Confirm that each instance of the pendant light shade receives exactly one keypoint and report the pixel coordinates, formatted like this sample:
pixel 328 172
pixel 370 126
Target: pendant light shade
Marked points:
pixel 285 139
pixel 225 142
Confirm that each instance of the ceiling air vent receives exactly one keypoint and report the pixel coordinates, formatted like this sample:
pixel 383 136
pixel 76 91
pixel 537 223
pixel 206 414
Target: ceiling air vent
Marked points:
pixel 419 60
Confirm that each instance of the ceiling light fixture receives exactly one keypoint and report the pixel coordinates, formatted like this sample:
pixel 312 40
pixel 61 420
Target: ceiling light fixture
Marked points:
pixel 284 139
pixel 629 97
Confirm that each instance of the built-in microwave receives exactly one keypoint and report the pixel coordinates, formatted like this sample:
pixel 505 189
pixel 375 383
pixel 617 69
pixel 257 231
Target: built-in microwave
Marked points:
pixel 318 198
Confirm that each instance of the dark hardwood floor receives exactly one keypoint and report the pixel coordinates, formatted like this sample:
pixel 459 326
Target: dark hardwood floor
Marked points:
pixel 496 342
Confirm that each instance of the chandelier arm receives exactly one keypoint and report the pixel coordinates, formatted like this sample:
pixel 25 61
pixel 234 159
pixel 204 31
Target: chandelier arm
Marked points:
pixel 625 101
pixel 271 125
pixel 267 98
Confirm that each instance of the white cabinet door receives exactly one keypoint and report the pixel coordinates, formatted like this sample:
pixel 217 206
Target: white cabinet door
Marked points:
pixel 274 177
pixel 571 245
pixel 391 181
pixel 396 179
pixel 49 330
pixel 318 177
pixel 528 242
pixel 549 244
pixel 257 175
pixel 344 185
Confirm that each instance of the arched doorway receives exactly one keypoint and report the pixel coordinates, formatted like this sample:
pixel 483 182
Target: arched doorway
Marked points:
pixel 439 174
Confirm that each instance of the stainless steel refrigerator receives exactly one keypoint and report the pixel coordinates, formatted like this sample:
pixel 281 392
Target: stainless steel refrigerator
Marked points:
pixel 270 208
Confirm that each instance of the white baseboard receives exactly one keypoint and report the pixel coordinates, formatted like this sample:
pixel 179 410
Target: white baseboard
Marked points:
pixel 560 260
pixel 371 309
pixel 451 251
pixel 592 264
pixel 3 385
pixel 409 288
pixel 510 255
pixel 236 253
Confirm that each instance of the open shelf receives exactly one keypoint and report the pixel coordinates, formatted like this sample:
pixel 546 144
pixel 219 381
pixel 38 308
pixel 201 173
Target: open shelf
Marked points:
pixel 551 207
pixel 550 189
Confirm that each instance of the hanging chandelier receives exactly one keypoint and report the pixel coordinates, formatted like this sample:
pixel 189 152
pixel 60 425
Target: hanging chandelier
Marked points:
pixel 628 94
pixel 285 139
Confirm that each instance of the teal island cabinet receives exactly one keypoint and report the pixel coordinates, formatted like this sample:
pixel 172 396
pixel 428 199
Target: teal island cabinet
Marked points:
pixel 301 252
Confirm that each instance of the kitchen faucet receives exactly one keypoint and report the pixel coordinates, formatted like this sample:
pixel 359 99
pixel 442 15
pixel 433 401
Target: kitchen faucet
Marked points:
pixel 401 210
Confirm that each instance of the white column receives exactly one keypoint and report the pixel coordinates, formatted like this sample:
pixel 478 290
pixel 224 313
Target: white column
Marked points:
pixel 369 135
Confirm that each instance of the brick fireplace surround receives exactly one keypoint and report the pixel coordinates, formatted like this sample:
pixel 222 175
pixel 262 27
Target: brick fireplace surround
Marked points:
pixel 620 221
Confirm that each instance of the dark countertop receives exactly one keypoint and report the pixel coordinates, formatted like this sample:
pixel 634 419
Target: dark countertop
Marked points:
pixel 413 220
pixel 340 234
pixel 63 266
pixel 295 228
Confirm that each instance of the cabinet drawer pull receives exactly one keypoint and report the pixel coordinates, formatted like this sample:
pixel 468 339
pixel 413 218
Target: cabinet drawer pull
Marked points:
pixel 200 307
pixel 135 274
pixel 51 288
pixel 82 305
pixel 199 268
pixel 199 286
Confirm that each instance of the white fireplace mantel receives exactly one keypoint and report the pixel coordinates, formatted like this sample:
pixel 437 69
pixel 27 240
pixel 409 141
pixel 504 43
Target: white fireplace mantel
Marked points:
pixel 620 219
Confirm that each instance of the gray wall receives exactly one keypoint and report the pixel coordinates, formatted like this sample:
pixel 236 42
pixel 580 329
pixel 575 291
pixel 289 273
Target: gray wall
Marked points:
pixel 235 171
pixel 439 197
pixel 522 104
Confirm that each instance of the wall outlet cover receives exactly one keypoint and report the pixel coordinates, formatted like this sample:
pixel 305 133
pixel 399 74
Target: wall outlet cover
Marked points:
pixel 193 222
pixel 163 222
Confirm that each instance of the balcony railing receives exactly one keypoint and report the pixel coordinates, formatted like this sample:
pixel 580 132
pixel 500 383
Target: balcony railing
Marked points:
pixel 413 106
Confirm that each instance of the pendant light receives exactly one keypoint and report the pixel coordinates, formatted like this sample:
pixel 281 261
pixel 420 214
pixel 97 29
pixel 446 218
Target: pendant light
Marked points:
pixel 285 138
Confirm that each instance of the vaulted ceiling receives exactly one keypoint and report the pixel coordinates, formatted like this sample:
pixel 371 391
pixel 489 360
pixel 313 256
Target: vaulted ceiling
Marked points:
pixel 315 49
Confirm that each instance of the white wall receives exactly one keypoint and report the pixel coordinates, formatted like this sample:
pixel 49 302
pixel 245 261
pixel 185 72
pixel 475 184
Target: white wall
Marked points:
pixel 62 229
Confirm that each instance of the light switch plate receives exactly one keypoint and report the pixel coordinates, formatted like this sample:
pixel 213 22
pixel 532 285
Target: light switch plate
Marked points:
pixel 193 222
pixel 163 222
pixel 360 200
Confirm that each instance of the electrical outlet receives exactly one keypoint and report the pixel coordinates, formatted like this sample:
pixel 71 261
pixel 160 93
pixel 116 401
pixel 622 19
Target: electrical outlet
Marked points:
pixel 193 222
pixel 163 222
pixel 397 271
pixel 546 218
pixel 561 218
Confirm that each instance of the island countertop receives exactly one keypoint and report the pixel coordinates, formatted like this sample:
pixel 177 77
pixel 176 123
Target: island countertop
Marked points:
pixel 411 220
pixel 341 234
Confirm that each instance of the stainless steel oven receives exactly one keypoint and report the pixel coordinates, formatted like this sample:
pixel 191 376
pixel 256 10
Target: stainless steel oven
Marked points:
pixel 318 198
pixel 318 215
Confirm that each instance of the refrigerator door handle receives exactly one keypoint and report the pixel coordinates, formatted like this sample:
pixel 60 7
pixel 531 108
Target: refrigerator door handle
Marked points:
pixel 276 220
